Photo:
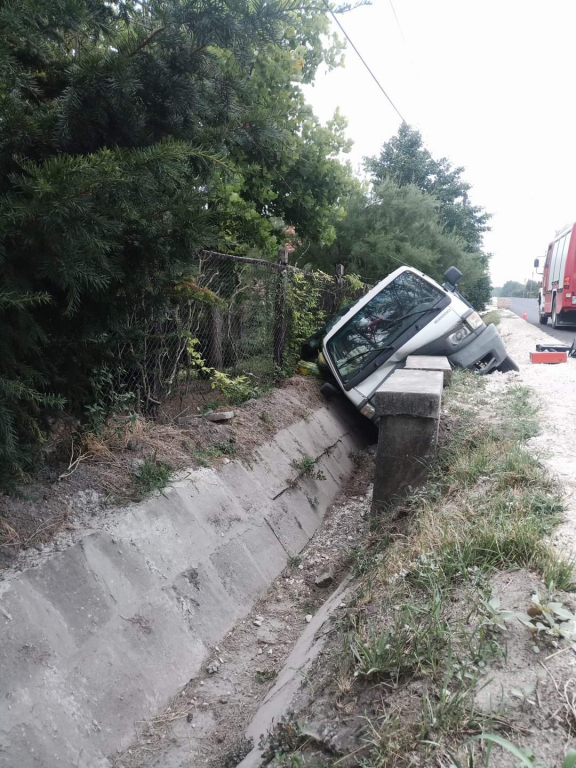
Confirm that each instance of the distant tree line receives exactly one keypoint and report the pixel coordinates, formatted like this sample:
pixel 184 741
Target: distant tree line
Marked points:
pixel 416 210
pixel 514 289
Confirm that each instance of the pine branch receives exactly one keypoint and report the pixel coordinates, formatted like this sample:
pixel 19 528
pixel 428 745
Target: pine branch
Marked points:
pixel 147 40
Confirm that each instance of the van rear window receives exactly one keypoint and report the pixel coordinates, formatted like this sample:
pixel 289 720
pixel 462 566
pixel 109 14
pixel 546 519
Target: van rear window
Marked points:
pixel 380 321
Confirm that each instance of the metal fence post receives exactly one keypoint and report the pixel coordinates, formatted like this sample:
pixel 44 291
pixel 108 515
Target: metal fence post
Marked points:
pixel 339 287
pixel 215 356
pixel 280 319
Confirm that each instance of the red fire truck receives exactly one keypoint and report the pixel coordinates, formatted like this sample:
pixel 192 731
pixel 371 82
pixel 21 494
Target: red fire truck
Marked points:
pixel 557 295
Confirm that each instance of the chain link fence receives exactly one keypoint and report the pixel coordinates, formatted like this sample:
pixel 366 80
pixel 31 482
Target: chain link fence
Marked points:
pixel 228 331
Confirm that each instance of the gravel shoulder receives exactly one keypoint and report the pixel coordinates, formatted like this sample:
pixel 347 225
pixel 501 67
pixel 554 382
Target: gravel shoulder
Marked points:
pixel 553 389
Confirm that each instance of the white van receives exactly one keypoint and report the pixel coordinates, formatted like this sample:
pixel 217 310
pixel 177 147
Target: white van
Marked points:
pixel 408 313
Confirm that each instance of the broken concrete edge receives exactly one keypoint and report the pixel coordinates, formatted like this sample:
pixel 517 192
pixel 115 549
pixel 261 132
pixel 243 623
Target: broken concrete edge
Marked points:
pixel 430 363
pixel 106 632
pixel 279 700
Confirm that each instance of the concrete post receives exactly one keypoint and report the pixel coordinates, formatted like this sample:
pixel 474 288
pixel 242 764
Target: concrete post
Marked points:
pixel 408 405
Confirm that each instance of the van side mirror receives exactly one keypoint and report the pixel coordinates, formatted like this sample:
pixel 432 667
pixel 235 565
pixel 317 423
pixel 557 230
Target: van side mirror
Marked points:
pixel 536 263
pixel 452 275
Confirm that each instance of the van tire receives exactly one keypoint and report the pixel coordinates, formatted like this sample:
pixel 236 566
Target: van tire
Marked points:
pixel 328 390
pixel 507 365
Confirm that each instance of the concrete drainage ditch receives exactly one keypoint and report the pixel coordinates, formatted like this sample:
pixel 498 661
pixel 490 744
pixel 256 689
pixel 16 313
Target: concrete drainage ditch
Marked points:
pixel 98 639
pixel 102 635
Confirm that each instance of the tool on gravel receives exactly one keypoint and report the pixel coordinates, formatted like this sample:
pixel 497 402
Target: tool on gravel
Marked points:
pixel 558 348
pixel 548 357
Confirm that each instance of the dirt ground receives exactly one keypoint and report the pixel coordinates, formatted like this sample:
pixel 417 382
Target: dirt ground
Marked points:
pixel 86 475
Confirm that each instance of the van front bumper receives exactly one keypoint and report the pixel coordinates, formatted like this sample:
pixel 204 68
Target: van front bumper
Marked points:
pixel 484 353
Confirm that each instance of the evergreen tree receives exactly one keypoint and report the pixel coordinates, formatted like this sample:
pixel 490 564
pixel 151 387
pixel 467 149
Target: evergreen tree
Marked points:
pixel 131 136
pixel 405 160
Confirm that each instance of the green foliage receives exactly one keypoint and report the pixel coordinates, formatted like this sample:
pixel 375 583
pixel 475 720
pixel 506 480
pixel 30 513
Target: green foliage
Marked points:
pixel 514 289
pixel 151 476
pixel 105 401
pixel 131 136
pixel 266 417
pixel 205 456
pixel 266 675
pixel 406 161
pixel 416 213
pixel 236 389
pixel 306 467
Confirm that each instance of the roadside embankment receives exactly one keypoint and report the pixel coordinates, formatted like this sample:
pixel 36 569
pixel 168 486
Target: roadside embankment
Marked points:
pixel 454 645
pixel 553 388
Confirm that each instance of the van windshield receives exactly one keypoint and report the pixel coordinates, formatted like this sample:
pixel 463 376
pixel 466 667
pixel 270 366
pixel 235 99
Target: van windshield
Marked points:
pixel 376 326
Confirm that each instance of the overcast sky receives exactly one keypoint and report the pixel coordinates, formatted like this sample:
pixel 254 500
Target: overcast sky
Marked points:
pixel 491 85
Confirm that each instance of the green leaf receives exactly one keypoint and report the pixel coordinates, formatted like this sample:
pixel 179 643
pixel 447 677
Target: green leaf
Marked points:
pixel 570 759
pixel 560 611
pixel 505 744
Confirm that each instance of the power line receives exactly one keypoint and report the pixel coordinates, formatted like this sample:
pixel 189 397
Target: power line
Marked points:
pixel 398 22
pixel 363 61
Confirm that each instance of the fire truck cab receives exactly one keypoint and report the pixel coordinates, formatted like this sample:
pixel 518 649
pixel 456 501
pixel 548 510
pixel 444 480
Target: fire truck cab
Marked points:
pixel 557 295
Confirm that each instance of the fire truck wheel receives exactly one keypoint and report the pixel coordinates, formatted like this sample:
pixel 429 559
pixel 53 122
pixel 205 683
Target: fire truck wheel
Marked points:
pixel 555 322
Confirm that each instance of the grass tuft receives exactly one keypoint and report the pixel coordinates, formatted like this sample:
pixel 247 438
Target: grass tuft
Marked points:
pixel 152 476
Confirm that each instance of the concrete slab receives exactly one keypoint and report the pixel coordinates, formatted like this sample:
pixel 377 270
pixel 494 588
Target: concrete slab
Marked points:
pixel 410 393
pixel 430 363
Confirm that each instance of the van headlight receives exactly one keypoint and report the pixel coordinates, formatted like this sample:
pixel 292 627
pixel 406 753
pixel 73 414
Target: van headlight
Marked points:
pixel 474 321
pixel 459 335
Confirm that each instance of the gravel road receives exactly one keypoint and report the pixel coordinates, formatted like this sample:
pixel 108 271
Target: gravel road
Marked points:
pixel 554 387
pixel 530 306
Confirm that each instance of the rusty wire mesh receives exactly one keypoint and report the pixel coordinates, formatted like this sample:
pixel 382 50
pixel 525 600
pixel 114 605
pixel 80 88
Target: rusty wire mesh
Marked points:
pixel 242 317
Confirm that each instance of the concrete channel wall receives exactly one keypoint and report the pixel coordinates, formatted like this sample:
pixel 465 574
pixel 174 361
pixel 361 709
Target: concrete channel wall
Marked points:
pixel 101 635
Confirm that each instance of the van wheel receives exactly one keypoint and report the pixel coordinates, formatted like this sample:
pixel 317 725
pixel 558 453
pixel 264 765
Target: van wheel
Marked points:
pixel 555 323
pixel 507 365
pixel 328 390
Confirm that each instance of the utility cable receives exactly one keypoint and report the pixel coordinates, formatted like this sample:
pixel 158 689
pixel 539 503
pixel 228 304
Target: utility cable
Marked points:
pixel 398 22
pixel 363 61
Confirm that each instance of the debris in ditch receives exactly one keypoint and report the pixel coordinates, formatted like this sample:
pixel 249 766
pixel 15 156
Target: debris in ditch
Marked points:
pixel 308 618
pixel 220 416
pixel 189 717
pixel 326 577
pixel 258 621
pixel 214 667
